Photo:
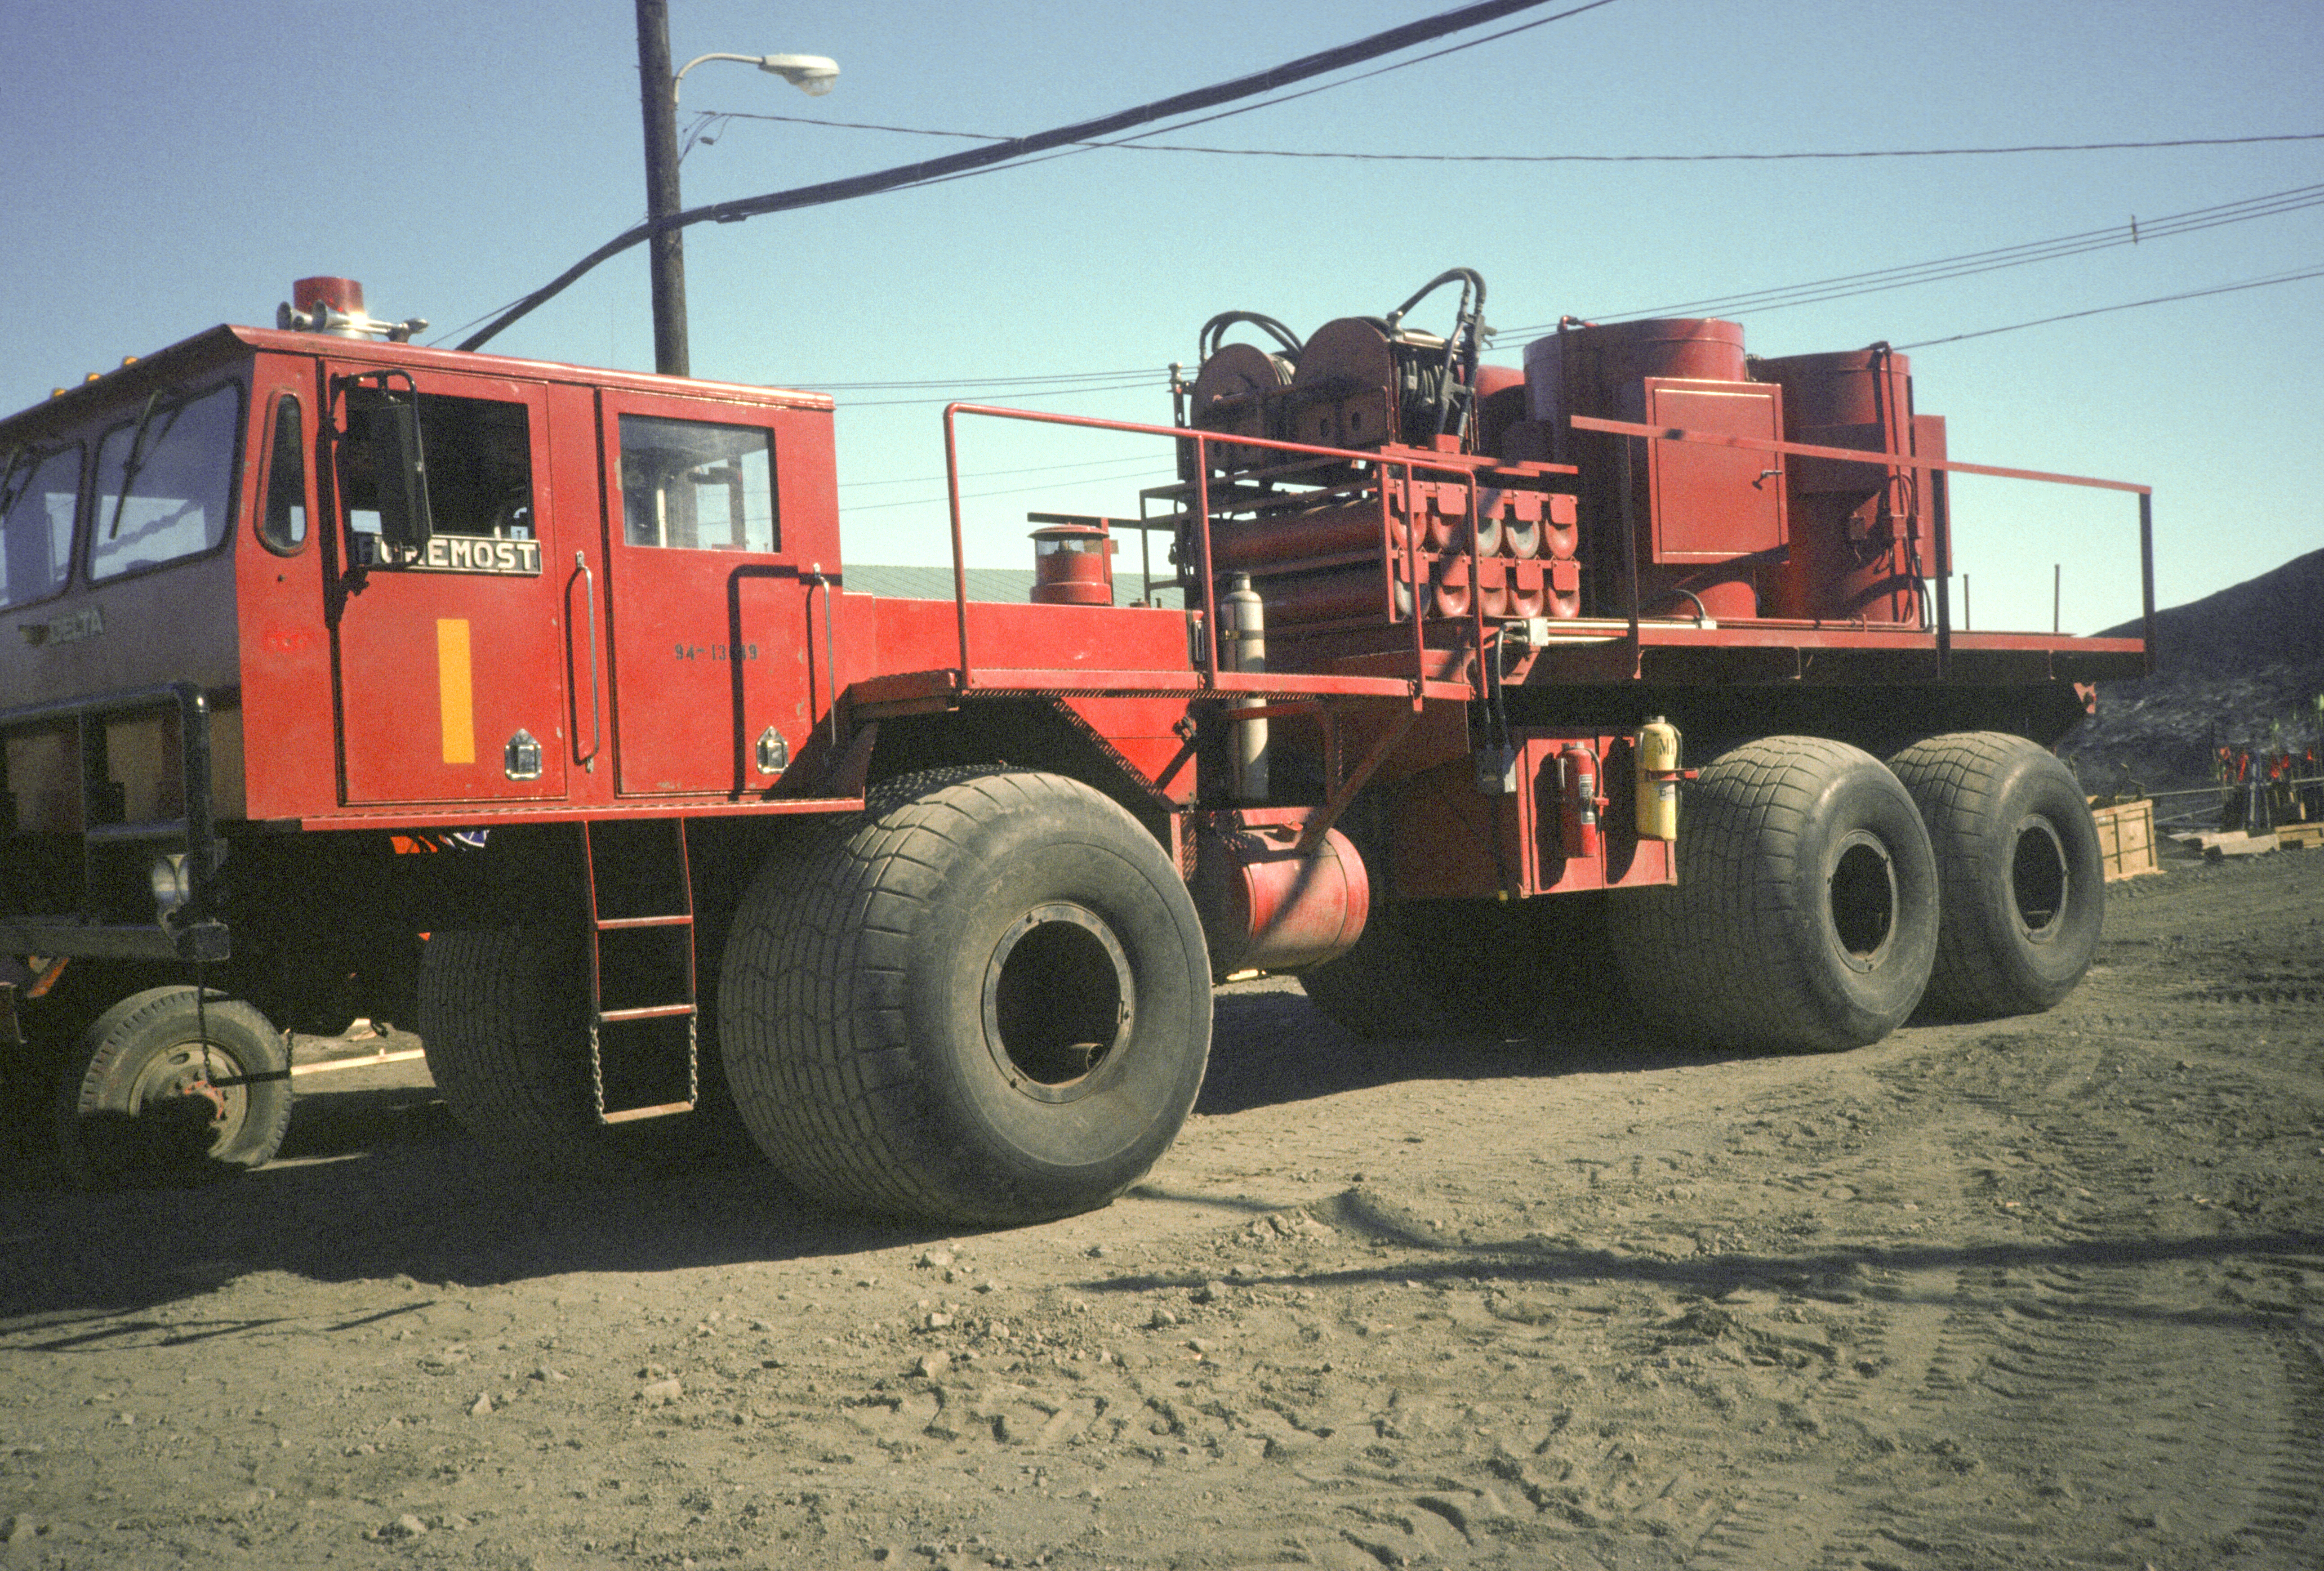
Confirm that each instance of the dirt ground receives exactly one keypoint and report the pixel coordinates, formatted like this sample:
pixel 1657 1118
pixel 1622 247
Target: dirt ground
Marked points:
pixel 2035 1292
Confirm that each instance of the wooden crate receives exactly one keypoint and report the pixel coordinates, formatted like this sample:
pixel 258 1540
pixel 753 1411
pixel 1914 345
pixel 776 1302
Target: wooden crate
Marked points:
pixel 2127 839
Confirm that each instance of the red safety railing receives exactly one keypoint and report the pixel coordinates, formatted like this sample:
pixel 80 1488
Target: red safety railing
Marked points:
pixel 1938 469
pixel 1385 465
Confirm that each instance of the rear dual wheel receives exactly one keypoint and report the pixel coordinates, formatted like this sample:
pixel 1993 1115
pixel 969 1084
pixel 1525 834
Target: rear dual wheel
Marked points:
pixel 1805 915
pixel 987 999
pixel 2020 873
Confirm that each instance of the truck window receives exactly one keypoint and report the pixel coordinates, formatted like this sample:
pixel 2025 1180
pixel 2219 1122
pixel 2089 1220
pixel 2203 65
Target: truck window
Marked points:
pixel 284 527
pixel 696 484
pixel 165 483
pixel 39 496
pixel 479 453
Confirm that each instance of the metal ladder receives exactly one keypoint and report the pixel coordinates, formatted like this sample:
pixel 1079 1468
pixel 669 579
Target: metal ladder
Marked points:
pixel 639 869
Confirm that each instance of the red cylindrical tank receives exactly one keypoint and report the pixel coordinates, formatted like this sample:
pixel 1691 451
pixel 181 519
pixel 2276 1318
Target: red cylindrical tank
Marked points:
pixel 1305 536
pixel 1266 907
pixel 1600 371
pixel 1073 563
pixel 1342 594
pixel 1860 539
pixel 1498 379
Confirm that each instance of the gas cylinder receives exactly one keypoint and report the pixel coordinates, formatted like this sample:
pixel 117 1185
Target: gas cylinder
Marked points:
pixel 1242 632
pixel 1659 777
pixel 1577 781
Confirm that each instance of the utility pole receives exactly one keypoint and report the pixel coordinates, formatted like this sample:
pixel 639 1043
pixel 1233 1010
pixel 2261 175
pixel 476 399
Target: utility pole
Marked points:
pixel 666 252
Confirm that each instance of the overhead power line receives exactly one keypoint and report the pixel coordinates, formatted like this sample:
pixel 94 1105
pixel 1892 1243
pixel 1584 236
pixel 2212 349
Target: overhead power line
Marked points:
pixel 710 117
pixel 2125 306
pixel 2133 232
pixel 975 160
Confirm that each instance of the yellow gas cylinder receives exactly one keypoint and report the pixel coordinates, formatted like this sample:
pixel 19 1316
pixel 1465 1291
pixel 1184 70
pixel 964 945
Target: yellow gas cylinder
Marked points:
pixel 1658 778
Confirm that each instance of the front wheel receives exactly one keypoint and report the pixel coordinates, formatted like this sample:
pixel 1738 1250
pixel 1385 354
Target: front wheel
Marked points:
pixel 164 1087
pixel 2020 871
pixel 987 999
pixel 1805 913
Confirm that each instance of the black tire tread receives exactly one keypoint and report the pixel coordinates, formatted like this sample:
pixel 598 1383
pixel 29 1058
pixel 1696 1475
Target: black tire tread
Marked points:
pixel 820 1061
pixel 1954 780
pixel 1714 955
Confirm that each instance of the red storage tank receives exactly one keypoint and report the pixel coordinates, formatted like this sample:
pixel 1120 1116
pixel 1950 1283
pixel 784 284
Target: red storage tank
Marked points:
pixel 1694 565
pixel 1862 539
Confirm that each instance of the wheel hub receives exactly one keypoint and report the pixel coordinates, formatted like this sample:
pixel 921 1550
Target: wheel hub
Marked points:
pixel 178 1080
pixel 1058 1001
pixel 1863 899
pixel 2038 879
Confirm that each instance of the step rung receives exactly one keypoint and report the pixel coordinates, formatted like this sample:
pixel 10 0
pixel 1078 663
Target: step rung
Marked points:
pixel 649 1011
pixel 632 1115
pixel 616 924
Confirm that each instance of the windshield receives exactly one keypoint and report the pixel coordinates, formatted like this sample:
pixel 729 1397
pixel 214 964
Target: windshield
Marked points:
pixel 165 483
pixel 38 497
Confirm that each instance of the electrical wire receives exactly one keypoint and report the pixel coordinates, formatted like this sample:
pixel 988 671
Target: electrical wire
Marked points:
pixel 1136 146
pixel 976 160
pixel 2125 306
pixel 1847 285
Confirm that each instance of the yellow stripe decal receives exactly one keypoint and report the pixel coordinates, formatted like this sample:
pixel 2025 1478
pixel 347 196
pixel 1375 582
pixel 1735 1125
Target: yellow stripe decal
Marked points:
pixel 455 696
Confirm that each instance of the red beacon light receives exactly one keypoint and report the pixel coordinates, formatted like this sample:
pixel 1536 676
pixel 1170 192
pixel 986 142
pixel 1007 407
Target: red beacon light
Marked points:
pixel 1072 559
pixel 336 306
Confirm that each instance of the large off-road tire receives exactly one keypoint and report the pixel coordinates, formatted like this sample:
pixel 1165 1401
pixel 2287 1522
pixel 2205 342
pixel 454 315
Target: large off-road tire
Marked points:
pixel 2021 878
pixel 1470 968
pixel 985 999
pixel 1805 912
pixel 140 1099
pixel 504 1016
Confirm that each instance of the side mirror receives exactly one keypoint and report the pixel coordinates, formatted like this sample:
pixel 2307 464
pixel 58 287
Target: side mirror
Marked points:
pixel 404 520
pixel 382 462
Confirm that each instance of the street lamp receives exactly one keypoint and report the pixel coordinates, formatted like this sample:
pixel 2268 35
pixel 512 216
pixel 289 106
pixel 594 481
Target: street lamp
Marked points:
pixel 811 74
pixel 657 87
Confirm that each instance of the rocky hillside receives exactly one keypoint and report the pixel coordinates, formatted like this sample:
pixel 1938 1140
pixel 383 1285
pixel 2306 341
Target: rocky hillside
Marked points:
pixel 2227 667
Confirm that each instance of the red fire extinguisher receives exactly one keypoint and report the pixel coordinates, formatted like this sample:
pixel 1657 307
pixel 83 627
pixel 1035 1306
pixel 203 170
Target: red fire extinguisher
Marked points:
pixel 1577 779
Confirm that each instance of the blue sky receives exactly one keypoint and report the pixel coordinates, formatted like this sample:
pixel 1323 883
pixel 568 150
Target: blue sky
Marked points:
pixel 169 166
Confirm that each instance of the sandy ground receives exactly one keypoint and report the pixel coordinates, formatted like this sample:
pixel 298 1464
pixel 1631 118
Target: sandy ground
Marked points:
pixel 2037 1292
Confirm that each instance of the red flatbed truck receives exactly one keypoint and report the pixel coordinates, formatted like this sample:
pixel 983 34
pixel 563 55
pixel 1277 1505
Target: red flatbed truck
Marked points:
pixel 526 704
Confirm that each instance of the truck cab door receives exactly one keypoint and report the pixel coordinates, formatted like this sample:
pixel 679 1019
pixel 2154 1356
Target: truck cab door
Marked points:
pixel 448 658
pixel 709 614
